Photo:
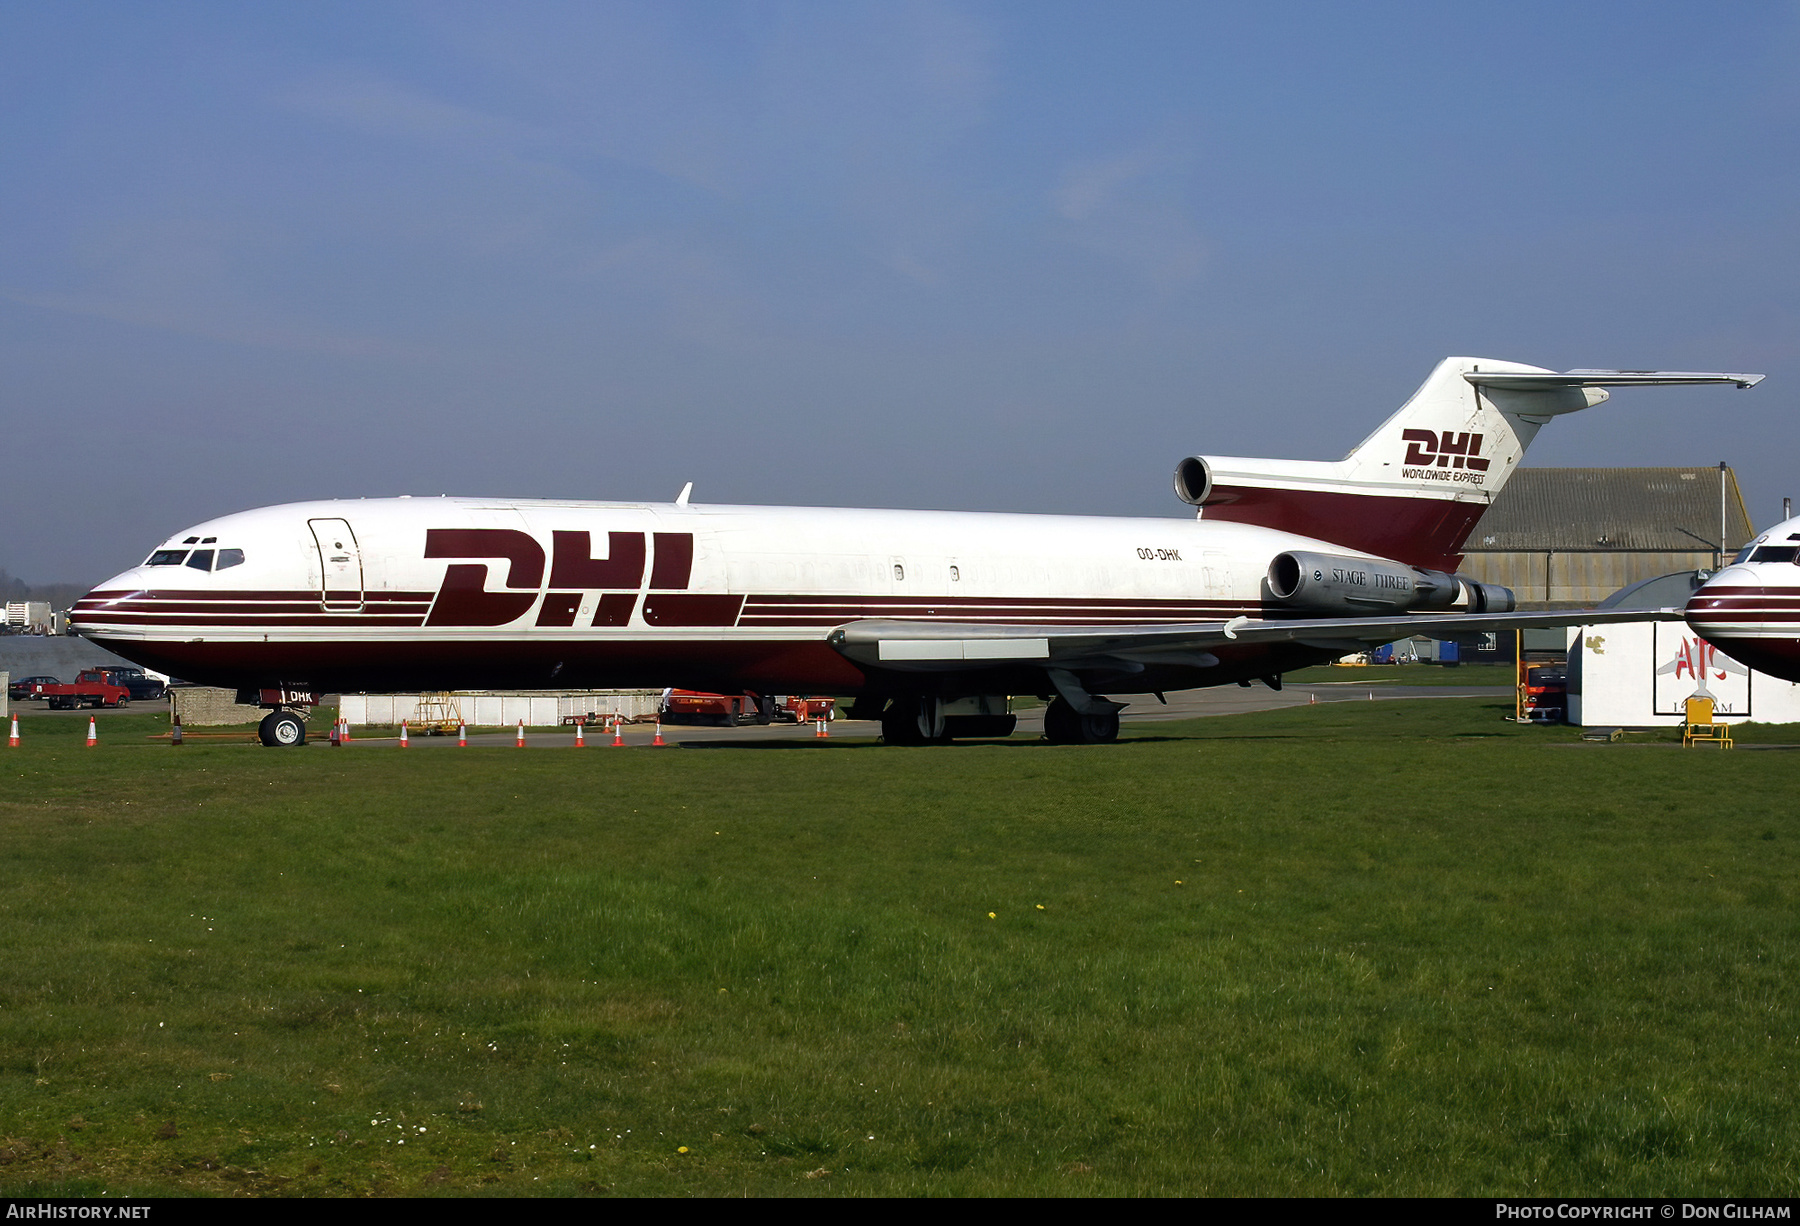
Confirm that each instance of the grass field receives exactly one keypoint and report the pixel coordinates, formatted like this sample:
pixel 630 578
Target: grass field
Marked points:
pixel 1405 674
pixel 1351 949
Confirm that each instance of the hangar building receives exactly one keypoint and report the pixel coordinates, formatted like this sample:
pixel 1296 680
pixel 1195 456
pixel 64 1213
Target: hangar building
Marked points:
pixel 1570 537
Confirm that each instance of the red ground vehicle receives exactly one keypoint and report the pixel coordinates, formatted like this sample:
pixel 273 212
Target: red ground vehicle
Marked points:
pixel 691 707
pixel 95 687
pixel 729 710
pixel 1543 692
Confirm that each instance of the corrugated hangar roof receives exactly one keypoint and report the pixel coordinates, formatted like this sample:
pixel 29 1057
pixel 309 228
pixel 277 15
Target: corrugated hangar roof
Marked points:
pixel 1598 509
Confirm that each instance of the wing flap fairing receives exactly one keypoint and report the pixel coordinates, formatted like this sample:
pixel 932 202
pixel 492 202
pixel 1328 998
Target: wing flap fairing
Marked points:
pixel 939 647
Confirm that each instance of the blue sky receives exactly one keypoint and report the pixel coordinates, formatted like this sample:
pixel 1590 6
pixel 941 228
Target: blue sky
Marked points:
pixel 982 256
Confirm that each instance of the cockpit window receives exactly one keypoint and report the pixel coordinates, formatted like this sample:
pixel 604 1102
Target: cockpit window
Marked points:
pixel 166 557
pixel 229 557
pixel 201 559
pixel 1776 553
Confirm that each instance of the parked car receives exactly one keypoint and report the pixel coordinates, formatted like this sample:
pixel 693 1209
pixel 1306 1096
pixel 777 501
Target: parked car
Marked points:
pixel 21 689
pixel 143 687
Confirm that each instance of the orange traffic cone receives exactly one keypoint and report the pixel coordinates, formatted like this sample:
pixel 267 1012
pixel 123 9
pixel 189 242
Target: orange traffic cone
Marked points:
pixel 618 732
pixel 336 726
pixel 579 743
pixel 462 735
pixel 12 738
pixel 658 741
pixel 520 743
pixel 93 733
pixel 819 734
pixel 403 743
pixel 175 730
pixel 345 735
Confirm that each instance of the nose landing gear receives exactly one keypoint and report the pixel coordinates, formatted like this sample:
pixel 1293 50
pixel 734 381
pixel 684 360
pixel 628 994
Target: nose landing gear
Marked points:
pixel 280 729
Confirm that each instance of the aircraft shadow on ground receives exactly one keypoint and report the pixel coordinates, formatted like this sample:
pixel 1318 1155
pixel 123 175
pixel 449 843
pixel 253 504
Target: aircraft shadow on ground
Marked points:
pixel 840 746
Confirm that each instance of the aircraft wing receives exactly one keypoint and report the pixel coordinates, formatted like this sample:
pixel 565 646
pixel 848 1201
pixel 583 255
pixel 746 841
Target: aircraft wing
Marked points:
pixel 917 646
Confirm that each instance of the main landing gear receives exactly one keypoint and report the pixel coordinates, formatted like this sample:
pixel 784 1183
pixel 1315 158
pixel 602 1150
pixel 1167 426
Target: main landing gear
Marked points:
pixel 928 720
pixel 917 720
pixel 1064 725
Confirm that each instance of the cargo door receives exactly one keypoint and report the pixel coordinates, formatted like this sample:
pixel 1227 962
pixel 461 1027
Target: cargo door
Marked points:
pixel 340 566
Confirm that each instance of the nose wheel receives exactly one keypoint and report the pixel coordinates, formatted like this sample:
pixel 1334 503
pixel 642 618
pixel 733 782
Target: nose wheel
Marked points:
pixel 280 729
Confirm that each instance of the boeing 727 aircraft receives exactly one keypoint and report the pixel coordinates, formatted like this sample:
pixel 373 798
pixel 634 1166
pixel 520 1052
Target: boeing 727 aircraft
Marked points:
pixel 928 619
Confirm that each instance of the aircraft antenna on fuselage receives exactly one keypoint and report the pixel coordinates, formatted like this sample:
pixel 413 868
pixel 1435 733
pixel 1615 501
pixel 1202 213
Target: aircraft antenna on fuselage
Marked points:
pixel 681 499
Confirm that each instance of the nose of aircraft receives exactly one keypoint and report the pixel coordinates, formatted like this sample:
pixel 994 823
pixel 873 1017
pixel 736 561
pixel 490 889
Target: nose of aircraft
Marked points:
pixel 91 610
pixel 1750 619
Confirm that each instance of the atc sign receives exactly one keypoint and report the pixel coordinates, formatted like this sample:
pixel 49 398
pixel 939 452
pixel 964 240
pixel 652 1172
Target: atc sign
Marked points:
pixel 1688 666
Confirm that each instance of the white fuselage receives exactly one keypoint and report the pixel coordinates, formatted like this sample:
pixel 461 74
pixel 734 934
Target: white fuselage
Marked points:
pixel 1750 610
pixel 453 593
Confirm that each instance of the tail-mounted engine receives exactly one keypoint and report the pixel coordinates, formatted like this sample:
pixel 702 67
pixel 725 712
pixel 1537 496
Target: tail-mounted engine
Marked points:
pixel 1328 583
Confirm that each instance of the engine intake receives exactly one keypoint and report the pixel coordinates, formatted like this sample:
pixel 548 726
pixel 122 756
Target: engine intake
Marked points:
pixel 1193 480
pixel 1330 583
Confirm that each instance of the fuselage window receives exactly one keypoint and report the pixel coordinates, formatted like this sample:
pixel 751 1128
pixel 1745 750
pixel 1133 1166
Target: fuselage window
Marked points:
pixel 201 559
pixel 166 557
pixel 229 558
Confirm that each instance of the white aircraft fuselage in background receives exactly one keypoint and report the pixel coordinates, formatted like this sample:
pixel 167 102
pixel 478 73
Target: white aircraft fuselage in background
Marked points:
pixel 1750 610
pixel 1288 563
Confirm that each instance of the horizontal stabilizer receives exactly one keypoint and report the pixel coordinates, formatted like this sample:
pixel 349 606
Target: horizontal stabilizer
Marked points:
pixel 1545 381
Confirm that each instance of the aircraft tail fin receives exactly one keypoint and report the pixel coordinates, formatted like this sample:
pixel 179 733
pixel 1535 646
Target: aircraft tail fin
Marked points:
pixel 1414 489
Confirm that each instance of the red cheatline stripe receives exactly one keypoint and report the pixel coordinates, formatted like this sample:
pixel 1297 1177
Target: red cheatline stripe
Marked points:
pixel 189 607
pixel 1749 591
pixel 348 620
pixel 977 602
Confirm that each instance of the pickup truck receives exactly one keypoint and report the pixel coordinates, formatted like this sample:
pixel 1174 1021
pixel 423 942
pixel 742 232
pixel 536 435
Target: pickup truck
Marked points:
pixel 96 687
